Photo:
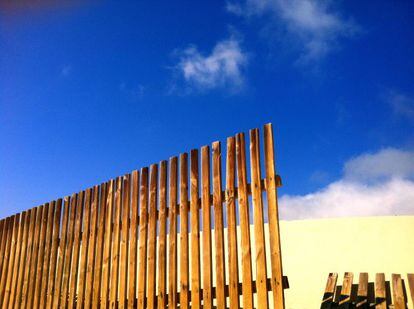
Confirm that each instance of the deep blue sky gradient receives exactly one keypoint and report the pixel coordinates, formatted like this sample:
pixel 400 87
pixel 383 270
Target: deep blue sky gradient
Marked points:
pixel 85 93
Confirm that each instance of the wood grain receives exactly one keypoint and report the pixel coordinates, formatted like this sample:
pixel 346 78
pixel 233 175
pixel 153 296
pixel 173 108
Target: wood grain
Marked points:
pixel 152 237
pixel 116 238
pixel 54 253
pixel 244 222
pixel 89 276
pixel 232 223
pixel 84 250
pixel 218 227
pixel 184 258
pixel 100 240
pixel 172 235
pixel 260 258
pixel 206 211
pixel 398 292
pixel 142 247
pixel 273 219
pixel 380 294
pixel 162 238
pixel 195 231
pixel 123 263
pixel 133 247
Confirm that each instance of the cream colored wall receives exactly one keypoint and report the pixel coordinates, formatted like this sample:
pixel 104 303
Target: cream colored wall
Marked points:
pixel 313 248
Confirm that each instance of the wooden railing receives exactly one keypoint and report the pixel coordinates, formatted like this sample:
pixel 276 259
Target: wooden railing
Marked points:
pixel 148 239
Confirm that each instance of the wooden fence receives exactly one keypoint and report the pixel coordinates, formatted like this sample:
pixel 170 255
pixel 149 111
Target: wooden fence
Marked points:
pixel 153 238
pixel 367 294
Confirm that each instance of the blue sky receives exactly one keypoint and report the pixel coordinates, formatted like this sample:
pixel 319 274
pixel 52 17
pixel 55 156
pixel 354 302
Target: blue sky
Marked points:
pixel 92 91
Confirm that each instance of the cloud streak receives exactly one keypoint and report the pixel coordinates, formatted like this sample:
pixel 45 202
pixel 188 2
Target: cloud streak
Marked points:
pixel 373 184
pixel 312 23
pixel 222 68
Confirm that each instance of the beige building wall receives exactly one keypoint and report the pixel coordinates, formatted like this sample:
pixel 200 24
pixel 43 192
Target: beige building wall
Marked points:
pixel 313 248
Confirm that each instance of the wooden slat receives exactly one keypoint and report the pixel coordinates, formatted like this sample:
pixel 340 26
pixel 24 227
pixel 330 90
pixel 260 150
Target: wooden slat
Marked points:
pixel 113 288
pixel 68 252
pixel 132 285
pixel 33 267
pixel 84 249
pixel 218 226
pixel 61 254
pixel 46 259
pixel 380 293
pixel 106 256
pixel 172 250
pixel 345 297
pixel 54 253
pixel 398 292
pixel 3 280
pixel 273 219
pixel 89 276
pixel 29 257
pixel 195 232
pixel 244 222
pixel 22 259
pixel 162 238
pixel 5 258
pixel 73 283
pixel 10 267
pixel 142 247
pixel 328 296
pixel 232 223
pixel 4 233
pixel 410 278
pixel 100 236
pixel 258 219
pixel 152 238
pixel 16 265
pixel 184 258
pixel 205 204
pixel 40 256
pixel 362 294
pixel 123 263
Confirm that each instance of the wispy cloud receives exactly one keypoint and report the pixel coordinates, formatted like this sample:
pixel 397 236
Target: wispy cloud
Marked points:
pixel 384 164
pixel 401 104
pixel 66 70
pixel 222 68
pixel 313 23
pixel 135 93
pixel 373 184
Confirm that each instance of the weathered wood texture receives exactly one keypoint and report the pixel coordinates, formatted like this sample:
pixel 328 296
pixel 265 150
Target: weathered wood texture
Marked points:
pixel 380 294
pixel 175 235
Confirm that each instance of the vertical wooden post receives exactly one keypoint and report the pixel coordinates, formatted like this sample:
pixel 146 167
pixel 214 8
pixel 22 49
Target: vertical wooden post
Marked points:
pixel 162 247
pixel 218 227
pixel 184 267
pixel 152 238
pixel 243 200
pixel 123 264
pixel 195 232
pixel 142 254
pixel 232 224
pixel 172 250
pixel 258 219
pixel 273 217
pixel 205 204
pixel 132 271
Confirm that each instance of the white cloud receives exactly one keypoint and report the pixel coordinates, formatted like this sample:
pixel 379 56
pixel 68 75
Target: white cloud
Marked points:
pixel 401 104
pixel 387 163
pixel 312 22
pixel 373 184
pixel 223 67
